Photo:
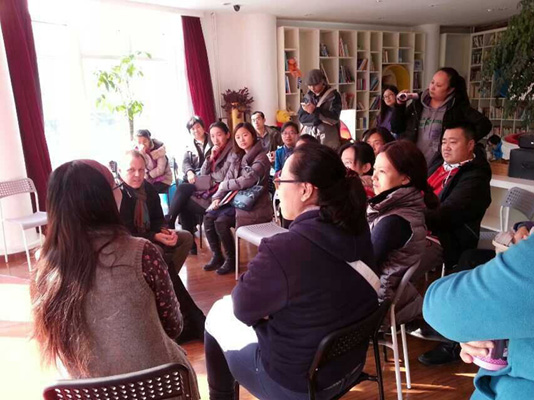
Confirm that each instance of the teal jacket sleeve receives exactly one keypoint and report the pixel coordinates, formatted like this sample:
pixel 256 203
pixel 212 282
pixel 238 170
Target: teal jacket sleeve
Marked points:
pixel 493 301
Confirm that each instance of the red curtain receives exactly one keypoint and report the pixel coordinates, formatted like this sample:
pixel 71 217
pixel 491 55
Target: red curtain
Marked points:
pixel 22 62
pixel 198 70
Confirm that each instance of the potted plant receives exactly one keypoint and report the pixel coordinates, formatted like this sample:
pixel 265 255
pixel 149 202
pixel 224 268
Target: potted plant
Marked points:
pixel 511 62
pixel 117 82
pixel 237 105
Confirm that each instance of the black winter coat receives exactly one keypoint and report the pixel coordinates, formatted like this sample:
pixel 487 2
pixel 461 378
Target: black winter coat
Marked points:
pixel 464 201
pixel 405 120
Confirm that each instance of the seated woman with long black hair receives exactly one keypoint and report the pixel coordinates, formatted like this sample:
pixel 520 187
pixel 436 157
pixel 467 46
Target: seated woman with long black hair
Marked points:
pixel 191 199
pixel 247 166
pixel 102 301
pixel 299 287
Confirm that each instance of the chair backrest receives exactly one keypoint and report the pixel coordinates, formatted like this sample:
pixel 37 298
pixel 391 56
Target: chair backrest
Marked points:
pixel 519 199
pixel 162 382
pixel 11 188
pixel 345 340
pixel 404 281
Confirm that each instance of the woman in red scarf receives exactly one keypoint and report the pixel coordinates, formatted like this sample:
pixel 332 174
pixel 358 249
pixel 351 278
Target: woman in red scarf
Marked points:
pixel 190 201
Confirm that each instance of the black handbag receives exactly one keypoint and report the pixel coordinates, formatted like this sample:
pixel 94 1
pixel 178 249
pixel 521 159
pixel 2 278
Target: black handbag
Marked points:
pixel 246 198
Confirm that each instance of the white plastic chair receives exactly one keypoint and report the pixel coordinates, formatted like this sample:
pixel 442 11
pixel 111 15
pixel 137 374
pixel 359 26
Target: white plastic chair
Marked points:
pixel 35 220
pixel 254 234
pixel 394 344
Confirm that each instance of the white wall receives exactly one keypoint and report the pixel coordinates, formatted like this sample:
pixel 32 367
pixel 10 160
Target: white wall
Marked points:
pixel 12 160
pixel 242 53
pixel 432 51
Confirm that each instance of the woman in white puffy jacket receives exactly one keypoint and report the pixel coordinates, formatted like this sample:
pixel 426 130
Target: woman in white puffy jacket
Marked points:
pixel 158 171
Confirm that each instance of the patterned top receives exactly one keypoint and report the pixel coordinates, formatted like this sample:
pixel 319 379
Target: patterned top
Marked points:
pixel 156 274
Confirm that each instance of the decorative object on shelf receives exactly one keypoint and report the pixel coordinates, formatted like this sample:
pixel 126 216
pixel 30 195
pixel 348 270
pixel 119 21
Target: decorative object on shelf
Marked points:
pixel 237 105
pixel 513 58
pixel 293 67
pixel 118 83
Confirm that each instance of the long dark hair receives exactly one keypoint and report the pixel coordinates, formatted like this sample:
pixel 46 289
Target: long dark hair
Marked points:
pixel 457 82
pixel 341 195
pixel 407 159
pixel 249 127
pixel 383 107
pixel 363 153
pixel 384 133
pixel 80 202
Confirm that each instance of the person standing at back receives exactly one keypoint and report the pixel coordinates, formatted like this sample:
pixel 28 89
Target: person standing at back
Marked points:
pixel 444 102
pixel 320 110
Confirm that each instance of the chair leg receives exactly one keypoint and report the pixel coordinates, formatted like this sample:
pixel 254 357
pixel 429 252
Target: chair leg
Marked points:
pixel 443 270
pixel 396 360
pixel 236 257
pixel 405 355
pixel 378 369
pixel 201 222
pixel 385 351
pixel 27 250
pixel 5 242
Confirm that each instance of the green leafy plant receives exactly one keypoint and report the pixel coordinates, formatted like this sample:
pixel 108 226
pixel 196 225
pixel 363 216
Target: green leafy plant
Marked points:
pixel 117 95
pixel 512 62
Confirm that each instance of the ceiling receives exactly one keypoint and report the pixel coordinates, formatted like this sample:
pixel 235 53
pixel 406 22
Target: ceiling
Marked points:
pixel 383 12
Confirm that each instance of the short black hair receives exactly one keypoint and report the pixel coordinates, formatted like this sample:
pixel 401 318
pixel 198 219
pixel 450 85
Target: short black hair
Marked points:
pixel 467 128
pixel 195 120
pixel 290 123
pixel 258 112
pixel 144 133
pixel 307 138
pixel 384 133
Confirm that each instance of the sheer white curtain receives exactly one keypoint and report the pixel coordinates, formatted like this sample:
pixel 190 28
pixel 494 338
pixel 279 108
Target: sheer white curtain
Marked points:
pixel 74 39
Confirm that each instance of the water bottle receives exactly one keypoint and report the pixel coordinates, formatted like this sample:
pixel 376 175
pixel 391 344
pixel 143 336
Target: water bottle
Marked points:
pixel 407 96
pixel 497 357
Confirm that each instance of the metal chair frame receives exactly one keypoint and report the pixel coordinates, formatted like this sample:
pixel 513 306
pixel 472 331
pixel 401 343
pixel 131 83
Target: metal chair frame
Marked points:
pixel 12 188
pixel 158 383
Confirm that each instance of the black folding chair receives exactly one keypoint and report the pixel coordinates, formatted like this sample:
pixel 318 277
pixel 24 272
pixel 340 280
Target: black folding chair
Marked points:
pixel 158 383
pixel 346 340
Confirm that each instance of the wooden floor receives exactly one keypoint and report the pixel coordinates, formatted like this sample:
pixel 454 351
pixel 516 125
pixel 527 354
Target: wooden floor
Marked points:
pixel 22 377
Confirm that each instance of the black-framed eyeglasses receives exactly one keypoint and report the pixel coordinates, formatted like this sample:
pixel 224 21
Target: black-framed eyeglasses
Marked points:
pixel 278 181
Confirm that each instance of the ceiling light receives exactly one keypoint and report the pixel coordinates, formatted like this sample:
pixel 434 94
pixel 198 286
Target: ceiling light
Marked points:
pixel 490 9
pixel 379 1
pixel 432 5
pixel 226 4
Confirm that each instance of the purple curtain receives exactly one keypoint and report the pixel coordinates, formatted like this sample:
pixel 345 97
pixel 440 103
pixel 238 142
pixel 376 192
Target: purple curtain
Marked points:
pixel 198 70
pixel 22 62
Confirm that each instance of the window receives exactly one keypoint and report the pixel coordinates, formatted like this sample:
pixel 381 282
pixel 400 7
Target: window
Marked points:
pixel 75 39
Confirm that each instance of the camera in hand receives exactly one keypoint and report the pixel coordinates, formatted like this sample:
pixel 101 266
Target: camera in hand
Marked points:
pixel 407 96
pixel 497 357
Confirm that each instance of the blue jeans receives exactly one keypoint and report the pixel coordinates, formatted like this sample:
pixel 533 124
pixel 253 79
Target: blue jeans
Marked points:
pixel 233 354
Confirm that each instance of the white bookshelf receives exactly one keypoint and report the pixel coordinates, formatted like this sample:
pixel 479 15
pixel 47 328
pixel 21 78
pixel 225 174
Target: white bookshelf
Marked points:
pixel 353 61
pixel 483 92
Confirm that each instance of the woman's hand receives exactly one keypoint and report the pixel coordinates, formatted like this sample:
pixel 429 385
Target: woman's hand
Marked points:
pixel 191 177
pixel 520 234
pixel 475 349
pixel 402 101
pixel 214 204
pixel 309 108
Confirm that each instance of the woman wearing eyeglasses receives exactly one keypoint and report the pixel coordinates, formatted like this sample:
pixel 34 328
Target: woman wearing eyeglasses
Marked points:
pixel 388 101
pixel 298 288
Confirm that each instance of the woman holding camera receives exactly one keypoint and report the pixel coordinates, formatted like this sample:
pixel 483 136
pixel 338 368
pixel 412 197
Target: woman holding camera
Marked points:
pixel 444 102
pixel 247 166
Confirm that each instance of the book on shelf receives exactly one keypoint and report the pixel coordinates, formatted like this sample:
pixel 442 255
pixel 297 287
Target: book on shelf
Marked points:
pixel 385 57
pixel 476 58
pixel 417 78
pixel 375 103
pixel 476 74
pixel 362 123
pixel 478 41
pixel 343 48
pixel 418 65
pixel 347 100
pixel 345 76
pixel 288 87
pixel 373 86
pixel 362 64
pixel 325 74
pixel 360 106
pixel 323 50
pixel 361 84
pixel 372 65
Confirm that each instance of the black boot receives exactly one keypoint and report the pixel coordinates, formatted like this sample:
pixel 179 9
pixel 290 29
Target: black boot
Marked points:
pixel 443 353
pixel 227 239
pixel 215 245
pixel 194 250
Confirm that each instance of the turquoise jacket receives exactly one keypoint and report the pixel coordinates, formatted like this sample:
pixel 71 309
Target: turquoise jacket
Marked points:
pixel 493 301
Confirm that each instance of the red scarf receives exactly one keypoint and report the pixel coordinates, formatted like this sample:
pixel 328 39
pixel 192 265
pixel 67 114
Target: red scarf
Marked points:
pixel 439 179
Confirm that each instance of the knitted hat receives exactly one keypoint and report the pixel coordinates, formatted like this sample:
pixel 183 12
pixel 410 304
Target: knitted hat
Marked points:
pixel 314 77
